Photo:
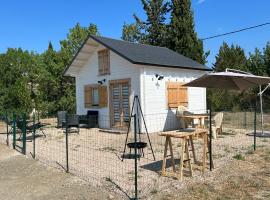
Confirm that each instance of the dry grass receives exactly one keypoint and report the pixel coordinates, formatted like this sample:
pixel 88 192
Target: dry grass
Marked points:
pixel 249 179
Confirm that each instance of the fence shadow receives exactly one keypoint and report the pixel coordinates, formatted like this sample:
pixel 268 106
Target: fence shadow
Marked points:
pixel 118 187
pixel 157 166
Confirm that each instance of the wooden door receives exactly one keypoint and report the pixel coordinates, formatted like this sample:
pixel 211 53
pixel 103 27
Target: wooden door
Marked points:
pixel 120 92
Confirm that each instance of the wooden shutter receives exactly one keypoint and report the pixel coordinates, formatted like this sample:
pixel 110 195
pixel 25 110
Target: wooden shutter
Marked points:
pixel 172 89
pixel 87 96
pixel 103 96
pixel 183 96
pixel 104 61
pixel 106 57
pixel 177 95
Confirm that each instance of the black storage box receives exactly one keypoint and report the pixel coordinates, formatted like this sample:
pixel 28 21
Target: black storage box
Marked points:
pixel 92 118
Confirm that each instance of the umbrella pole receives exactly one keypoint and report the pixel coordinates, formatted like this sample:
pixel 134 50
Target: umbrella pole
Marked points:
pixel 255 121
pixel 210 141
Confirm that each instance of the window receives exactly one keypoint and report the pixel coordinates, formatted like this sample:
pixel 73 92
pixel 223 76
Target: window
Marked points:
pixel 177 95
pixel 104 62
pixel 95 96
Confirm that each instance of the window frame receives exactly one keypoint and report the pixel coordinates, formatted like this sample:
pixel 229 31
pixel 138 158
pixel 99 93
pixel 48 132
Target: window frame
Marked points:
pixel 102 93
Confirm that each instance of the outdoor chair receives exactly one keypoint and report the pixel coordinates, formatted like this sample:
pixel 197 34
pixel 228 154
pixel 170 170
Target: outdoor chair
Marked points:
pixel 182 111
pixel 217 124
pixel 72 121
pixel 61 117
pixel 29 127
pixel 90 120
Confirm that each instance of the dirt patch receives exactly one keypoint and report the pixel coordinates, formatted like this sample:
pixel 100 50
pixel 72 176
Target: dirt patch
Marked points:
pixel 23 178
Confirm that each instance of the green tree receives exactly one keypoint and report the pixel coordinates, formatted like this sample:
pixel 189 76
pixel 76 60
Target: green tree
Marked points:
pixel 49 90
pixel 256 64
pixel 182 37
pixel 57 92
pixel 153 30
pixel 19 71
pixel 230 57
pixel 131 33
pixel 266 57
pixel 75 38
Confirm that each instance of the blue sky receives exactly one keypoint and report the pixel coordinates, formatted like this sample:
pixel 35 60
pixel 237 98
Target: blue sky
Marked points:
pixel 32 24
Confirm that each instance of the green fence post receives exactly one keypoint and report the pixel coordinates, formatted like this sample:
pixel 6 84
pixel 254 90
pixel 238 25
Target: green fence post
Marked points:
pixel 245 119
pixel 255 131
pixel 14 130
pixel 66 123
pixel 38 116
pixel 24 134
pixel 135 154
pixel 7 128
pixel 34 136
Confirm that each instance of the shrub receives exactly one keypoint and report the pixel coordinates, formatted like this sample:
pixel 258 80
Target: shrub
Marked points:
pixel 239 156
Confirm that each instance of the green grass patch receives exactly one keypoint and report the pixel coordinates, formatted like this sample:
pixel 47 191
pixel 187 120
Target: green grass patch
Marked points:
pixel 239 156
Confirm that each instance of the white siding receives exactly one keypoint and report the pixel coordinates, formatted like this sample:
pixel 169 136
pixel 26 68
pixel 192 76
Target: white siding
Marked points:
pixel 119 69
pixel 154 96
pixel 152 93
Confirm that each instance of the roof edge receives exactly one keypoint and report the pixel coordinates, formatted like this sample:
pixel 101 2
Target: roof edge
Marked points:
pixel 171 66
pixel 142 63
pixel 127 58
pixel 75 56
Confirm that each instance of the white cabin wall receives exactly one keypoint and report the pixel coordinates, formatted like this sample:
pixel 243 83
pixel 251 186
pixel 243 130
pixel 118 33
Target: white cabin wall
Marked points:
pixel 119 69
pixel 154 96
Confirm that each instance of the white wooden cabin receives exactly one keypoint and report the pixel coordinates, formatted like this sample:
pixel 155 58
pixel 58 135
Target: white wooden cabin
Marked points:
pixel 110 72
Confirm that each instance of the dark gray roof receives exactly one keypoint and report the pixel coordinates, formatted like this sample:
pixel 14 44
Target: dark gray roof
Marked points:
pixel 148 54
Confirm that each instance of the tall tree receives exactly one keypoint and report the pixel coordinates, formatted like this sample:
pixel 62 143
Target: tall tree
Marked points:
pixel 131 33
pixel 74 40
pixel 256 64
pixel 266 57
pixel 57 92
pixel 182 35
pixel 153 30
pixel 230 57
pixel 19 71
pixel 49 90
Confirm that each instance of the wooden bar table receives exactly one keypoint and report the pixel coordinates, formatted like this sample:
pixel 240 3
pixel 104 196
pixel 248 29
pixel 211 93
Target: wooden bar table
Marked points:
pixel 186 139
pixel 200 117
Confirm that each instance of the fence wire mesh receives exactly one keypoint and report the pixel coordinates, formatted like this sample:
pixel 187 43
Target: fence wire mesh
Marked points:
pixel 95 154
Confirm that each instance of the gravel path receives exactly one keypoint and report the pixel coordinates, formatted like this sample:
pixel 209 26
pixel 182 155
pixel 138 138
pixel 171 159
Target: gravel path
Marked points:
pixel 22 178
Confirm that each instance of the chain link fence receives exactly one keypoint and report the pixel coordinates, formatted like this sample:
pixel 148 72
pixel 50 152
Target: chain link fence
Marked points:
pixel 96 154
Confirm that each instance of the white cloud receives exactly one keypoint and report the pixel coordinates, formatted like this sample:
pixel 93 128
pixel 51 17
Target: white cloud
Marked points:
pixel 201 1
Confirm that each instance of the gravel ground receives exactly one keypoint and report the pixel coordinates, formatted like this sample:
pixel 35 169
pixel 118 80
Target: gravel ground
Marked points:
pixel 22 178
pixel 96 157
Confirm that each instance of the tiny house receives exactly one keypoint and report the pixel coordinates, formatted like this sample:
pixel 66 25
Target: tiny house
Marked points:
pixel 110 72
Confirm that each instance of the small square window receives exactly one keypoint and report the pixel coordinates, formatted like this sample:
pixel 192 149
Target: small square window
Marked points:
pixel 95 97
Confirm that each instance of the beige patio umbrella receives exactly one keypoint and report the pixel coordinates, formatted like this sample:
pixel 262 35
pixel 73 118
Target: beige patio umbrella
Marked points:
pixel 230 79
